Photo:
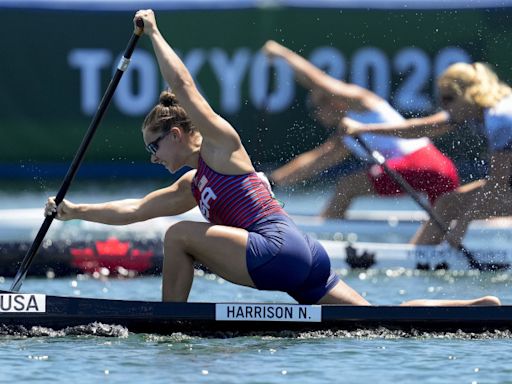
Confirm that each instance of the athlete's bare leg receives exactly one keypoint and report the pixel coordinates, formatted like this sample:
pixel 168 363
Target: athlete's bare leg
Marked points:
pixel 222 249
pixel 451 208
pixel 345 295
pixel 483 301
pixel 347 188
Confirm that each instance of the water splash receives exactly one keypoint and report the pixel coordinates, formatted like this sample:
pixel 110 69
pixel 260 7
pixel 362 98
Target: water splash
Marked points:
pixel 93 329
pixel 384 333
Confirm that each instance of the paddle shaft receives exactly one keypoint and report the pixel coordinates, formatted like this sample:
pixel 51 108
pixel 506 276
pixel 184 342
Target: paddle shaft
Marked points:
pixel 105 101
pixel 380 160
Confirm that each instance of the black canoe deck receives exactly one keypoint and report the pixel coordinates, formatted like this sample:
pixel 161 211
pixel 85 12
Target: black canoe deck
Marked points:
pixel 245 318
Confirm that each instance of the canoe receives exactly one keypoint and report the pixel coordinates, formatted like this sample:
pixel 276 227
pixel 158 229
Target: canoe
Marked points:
pixel 19 312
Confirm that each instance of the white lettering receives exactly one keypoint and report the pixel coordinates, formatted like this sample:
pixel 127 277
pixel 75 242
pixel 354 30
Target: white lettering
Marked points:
pixel 410 95
pixel 204 204
pixel 283 89
pixel 370 69
pixel 230 75
pixel 139 87
pixel 448 56
pixel 330 60
pixel 90 62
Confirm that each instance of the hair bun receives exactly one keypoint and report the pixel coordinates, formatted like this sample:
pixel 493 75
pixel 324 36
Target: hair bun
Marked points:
pixel 168 99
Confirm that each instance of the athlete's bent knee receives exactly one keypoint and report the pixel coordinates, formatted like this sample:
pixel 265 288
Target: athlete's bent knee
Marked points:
pixel 176 233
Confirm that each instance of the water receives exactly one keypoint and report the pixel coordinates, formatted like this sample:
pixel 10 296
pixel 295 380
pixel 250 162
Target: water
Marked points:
pixel 364 356
pixel 381 355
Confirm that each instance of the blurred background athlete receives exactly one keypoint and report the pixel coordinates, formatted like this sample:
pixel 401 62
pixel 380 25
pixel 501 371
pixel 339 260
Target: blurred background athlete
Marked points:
pixel 425 168
pixel 472 95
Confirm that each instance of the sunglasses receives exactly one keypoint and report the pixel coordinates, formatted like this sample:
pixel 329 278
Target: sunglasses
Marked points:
pixel 153 146
pixel 447 99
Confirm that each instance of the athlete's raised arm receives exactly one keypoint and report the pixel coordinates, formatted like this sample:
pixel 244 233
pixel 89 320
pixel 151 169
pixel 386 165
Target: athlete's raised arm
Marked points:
pixel 313 78
pixel 212 127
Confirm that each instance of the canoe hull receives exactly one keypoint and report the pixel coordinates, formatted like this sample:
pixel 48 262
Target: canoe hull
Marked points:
pixel 203 318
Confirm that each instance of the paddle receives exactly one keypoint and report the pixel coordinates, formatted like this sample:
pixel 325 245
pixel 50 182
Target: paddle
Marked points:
pixel 378 159
pixel 105 101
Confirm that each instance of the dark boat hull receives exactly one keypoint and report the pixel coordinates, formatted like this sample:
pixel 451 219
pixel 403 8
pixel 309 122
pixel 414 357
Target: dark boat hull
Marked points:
pixel 203 318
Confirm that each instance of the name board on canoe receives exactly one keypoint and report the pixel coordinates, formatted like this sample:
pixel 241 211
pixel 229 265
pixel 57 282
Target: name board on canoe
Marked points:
pixel 428 253
pixel 268 312
pixel 12 302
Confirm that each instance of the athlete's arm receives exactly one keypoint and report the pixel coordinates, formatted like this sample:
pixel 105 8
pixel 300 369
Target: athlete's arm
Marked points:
pixel 170 201
pixel 490 196
pixel 428 126
pixel 212 127
pixel 313 78
pixel 309 164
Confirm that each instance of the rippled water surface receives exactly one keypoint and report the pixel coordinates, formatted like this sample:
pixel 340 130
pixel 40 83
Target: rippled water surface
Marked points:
pixel 114 354
pixel 107 353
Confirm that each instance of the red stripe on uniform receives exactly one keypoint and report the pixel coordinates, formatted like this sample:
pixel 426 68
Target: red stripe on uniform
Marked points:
pixel 240 200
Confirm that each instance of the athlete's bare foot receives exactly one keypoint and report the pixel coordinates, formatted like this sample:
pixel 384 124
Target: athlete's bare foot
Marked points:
pixel 487 300
pixel 481 301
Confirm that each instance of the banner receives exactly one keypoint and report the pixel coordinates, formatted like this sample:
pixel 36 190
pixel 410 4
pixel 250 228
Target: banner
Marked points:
pixel 56 65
